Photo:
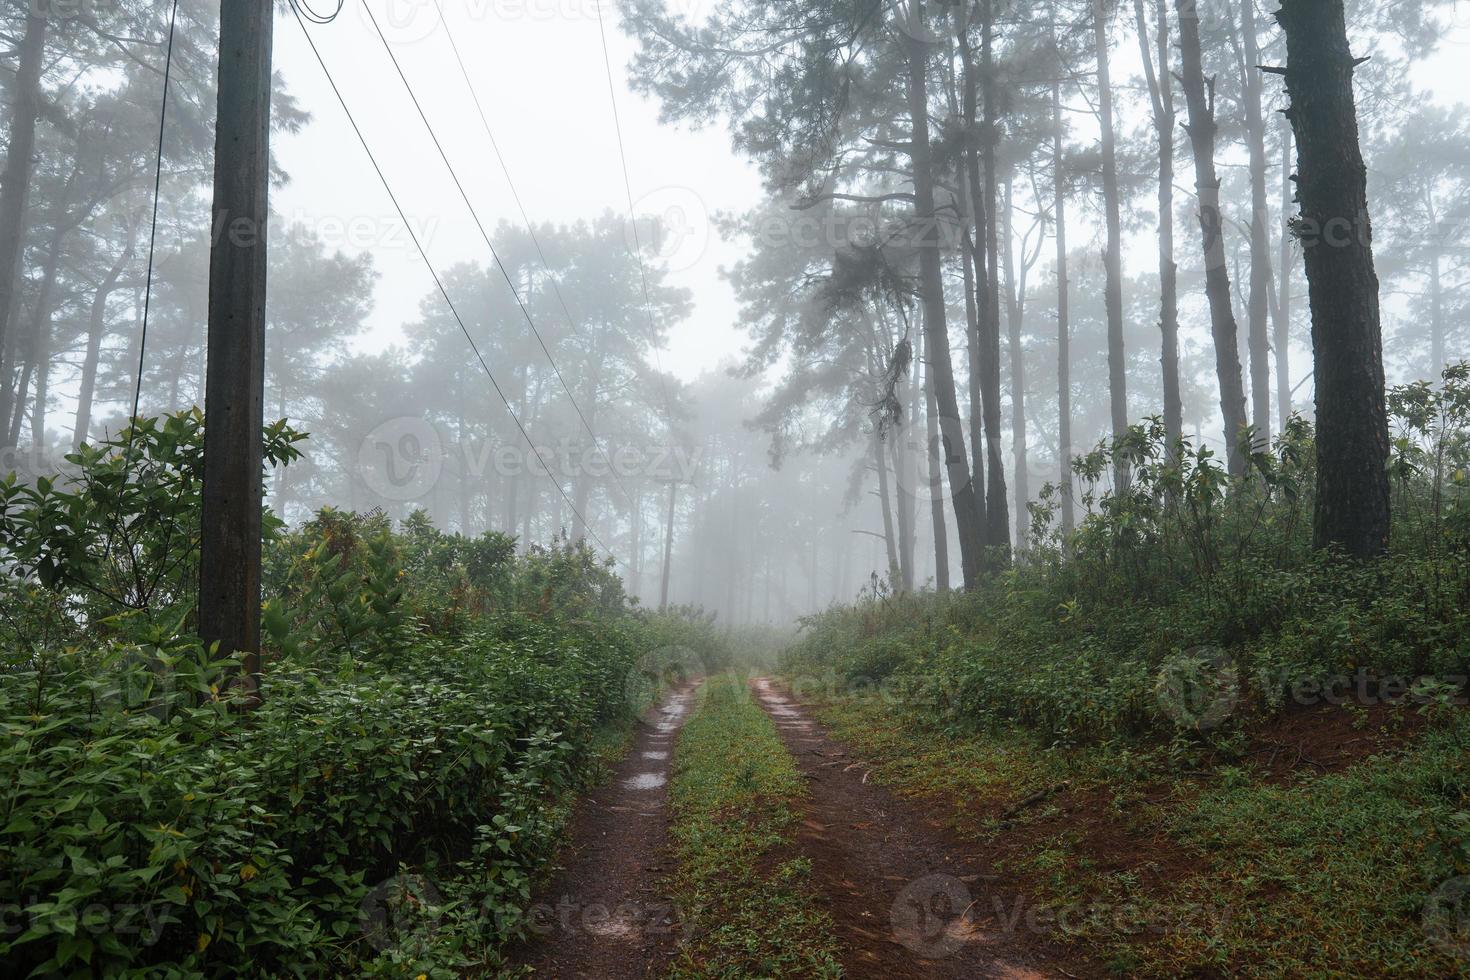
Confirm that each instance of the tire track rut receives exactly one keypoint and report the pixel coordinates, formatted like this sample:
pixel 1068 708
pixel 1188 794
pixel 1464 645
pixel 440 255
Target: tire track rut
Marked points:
pixel 604 913
pixel 907 902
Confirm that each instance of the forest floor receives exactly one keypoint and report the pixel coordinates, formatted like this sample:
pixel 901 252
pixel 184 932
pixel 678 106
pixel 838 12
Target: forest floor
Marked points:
pixel 1303 852
pixel 836 839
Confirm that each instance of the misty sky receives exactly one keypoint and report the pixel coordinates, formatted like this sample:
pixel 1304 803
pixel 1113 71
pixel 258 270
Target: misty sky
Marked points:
pixel 539 70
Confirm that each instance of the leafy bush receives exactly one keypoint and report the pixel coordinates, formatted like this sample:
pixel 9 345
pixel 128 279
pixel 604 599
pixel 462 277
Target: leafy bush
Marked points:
pixel 1085 637
pixel 110 549
pixel 256 838
pixel 430 703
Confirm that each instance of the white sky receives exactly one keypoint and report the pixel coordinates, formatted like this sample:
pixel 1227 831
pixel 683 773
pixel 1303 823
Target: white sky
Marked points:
pixel 539 71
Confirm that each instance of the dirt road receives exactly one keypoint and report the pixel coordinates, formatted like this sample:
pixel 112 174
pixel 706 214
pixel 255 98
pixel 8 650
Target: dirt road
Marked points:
pixel 907 901
pixel 604 914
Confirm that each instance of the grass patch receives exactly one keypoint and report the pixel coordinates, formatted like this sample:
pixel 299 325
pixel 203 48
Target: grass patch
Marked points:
pixel 747 901
pixel 1330 876
pixel 1155 866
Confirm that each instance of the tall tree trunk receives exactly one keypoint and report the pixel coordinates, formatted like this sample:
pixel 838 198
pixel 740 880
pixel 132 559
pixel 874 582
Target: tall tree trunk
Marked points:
pixel 1287 268
pixel 512 505
pixel 38 353
pixel 39 356
pixel 465 493
pixel 935 316
pixel 513 488
pixel 42 360
pixel 1161 90
pixel 904 501
pixel 1260 278
pixel 936 480
pixel 905 456
pixel 1064 325
pixel 1202 129
pixel 997 507
pixel 1014 299
pixel 814 552
pixel 533 499
pixel 584 478
pixel 663 602
pixel 15 181
pixel 18 411
pixel 635 536
pixel 582 497
pixel 1347 334
pixel 1112 206
pixel 1436 314
pixel 96 330
pixel 885 503
pixel 972 274
pixel 978 286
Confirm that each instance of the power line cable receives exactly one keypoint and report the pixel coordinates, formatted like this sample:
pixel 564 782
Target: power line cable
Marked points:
pixel 510 181
pixel 152 237
pixel 439 283
pixel 612 93
pixel 504 272
pixel 316 18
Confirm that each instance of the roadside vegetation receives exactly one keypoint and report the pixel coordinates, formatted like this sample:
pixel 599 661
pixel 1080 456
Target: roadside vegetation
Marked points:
pixel 1184 712
pixel 431 706
pixel 747 904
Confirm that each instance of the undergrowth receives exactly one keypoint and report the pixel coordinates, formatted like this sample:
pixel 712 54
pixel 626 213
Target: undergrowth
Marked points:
pixel 430 705
pixel 1186 601
pixel 1111 681
pixel 1150 870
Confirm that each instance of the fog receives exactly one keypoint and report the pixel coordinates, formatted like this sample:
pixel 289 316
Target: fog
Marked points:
pixel 682 354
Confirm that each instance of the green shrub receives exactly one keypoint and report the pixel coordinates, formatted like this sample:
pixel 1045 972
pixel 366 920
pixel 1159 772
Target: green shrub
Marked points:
pixel 1079 640
pixel 256 838
pixel 430 703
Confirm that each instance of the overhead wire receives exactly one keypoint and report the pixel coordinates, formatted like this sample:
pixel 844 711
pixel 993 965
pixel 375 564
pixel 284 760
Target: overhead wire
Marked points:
pixel 316 18
pixel 439 282
pixel 510 182
pixel 612 93
pixel 494 253
pixel 168 67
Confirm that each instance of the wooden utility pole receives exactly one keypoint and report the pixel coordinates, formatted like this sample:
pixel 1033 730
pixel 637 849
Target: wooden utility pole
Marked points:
pixel 229 571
